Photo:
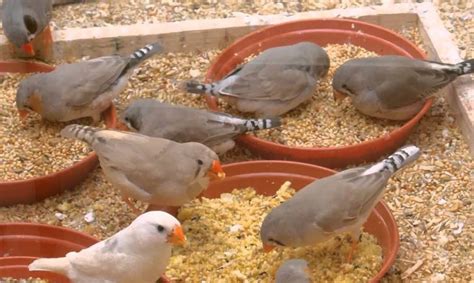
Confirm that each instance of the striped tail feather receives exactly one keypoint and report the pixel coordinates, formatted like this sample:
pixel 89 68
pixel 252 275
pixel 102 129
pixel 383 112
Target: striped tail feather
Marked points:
pixel 466 67
pixel 80 132
pixel 140 55
pixel 399 159
pixel 261 124
pixel 198 88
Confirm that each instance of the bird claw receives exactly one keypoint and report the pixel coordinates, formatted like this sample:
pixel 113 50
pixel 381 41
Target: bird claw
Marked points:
pixel 352 251
pixel 131 205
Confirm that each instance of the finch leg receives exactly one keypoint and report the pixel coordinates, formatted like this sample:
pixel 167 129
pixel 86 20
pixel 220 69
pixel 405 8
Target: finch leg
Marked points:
pixel 353 248
pixel 131 205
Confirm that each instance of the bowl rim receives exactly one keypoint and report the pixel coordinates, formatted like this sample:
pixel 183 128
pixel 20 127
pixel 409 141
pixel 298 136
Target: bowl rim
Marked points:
pixel 88 158
pixel 42 226
pixel 408 124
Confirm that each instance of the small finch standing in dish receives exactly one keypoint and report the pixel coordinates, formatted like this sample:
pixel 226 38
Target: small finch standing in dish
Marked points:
pixel 153 170
pixel 294 271
pixel 81 89
pixel 23 20
pixel 138 253
pixel 332 205
pixel 185 124
pixel 273 83
pixel 394 87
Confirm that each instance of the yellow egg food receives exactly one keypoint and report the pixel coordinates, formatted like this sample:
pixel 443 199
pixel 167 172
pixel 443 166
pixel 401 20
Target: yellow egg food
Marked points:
pixel 224 244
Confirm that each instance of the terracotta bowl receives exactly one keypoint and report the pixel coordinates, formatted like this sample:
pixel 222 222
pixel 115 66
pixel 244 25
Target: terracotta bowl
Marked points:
pixel 266 177
pixel 322 32
pixel 21 243
pixel 38 188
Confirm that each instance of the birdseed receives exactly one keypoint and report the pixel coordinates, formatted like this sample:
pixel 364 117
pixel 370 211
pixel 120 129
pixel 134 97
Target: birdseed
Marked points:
pixel 233 240
pixel 34 148
pixel 431 201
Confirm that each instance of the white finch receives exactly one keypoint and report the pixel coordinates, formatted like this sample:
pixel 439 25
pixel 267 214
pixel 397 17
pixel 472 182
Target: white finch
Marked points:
pixel 138 253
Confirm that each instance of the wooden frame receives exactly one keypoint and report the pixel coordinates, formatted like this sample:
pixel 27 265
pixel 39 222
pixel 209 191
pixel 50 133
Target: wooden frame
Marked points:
pixel 218 33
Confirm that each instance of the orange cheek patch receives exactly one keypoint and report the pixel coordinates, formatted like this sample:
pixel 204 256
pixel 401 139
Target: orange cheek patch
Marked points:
pixel 35 103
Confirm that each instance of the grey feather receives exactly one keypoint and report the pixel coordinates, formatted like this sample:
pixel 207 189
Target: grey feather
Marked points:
pixel 153 170
pixel 394 87
pixel 185 124
pixel 293 271
pixel 24 18
pixel 274 82
pixel 331 205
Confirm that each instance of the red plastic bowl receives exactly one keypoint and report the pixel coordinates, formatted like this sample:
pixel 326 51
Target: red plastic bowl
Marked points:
pixel 38 188
pixel 322 32
pixel 21 243
pixel 266 177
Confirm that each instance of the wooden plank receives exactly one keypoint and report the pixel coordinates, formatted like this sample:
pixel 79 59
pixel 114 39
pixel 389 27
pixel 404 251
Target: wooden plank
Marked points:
pixel 199 34
pixel 440 46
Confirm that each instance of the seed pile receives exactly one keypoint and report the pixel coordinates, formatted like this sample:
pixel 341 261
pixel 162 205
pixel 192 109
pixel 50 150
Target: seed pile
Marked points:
pixel 34 148
pixel 233 240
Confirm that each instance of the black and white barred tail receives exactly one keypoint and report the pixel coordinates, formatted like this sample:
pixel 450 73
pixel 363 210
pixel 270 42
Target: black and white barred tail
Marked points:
pixel 144 53
pixel 80 132
pixel 261 124
pixel 466 67
pixel 199 88
pixel 463 68
pixel 399 159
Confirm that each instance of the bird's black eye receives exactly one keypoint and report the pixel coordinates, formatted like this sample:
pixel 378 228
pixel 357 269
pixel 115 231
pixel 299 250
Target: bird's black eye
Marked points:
pixel 160 228
pixel 199 161
pixel 127 119
pixel 30 24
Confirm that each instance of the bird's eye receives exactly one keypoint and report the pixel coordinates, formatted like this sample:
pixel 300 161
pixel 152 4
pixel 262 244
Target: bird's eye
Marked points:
pixel 127 119
pixel 199 161
pixel 160 228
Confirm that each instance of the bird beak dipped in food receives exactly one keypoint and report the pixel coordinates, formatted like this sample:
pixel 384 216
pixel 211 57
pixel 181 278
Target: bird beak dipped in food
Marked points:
pixel 339 96
pixel 216 171
pixel 176 237
pixel 23 113
pixel 268 248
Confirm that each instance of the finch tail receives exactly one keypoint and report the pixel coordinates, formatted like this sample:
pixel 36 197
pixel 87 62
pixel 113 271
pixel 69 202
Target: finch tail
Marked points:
pixel 261 124
pixel 58 265
pixel 399 159
pixel 466 67
pixel 144 53
pixel 80 132
pixel 199 88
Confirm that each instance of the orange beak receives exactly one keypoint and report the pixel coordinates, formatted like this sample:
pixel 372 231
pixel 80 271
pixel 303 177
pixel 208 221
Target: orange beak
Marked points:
pixel 28 48
pixel 23 114
pixel 268 248
pixel 216 170
pixel 338 96
pixel 177 236
pixel 121 126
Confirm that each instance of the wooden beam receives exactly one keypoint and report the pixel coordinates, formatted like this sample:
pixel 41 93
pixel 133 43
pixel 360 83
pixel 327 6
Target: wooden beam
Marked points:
pixel 199 34
pixel 440 46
